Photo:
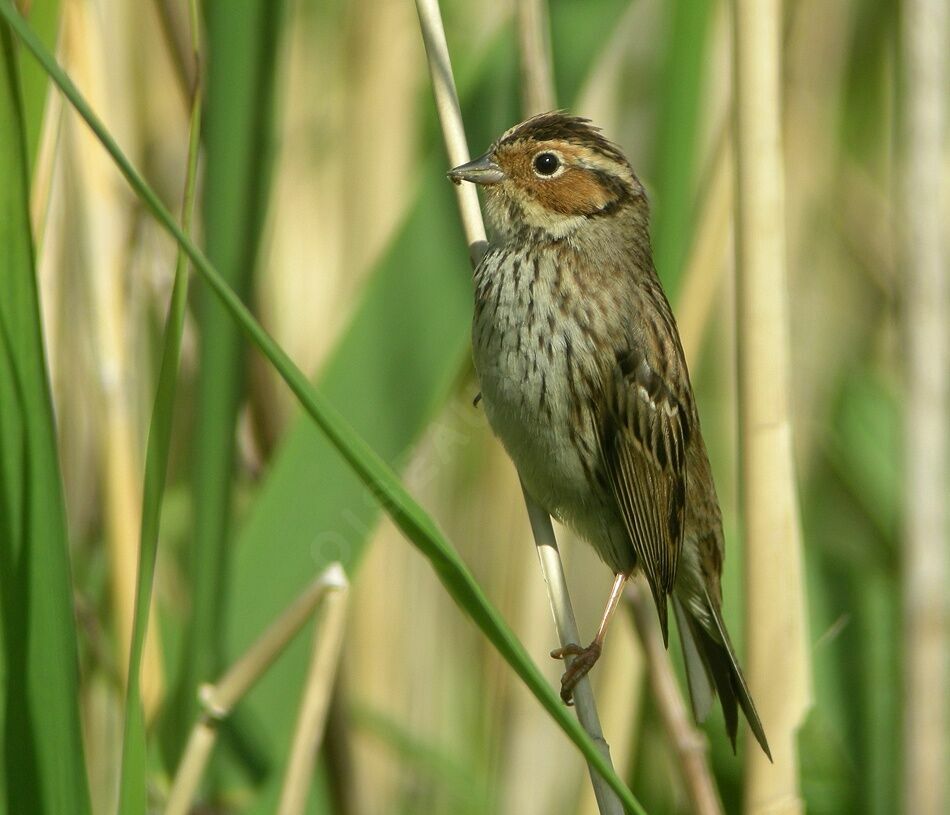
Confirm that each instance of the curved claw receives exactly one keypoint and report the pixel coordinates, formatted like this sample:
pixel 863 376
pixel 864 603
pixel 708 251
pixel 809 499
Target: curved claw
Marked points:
pixel 572 649
pixel 584 659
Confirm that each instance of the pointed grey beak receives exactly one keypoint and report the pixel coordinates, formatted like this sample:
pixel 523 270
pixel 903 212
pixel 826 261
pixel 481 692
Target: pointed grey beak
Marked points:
pixel 481 170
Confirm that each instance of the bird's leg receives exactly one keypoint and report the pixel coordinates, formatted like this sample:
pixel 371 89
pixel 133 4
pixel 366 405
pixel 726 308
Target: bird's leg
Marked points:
pixel 584 658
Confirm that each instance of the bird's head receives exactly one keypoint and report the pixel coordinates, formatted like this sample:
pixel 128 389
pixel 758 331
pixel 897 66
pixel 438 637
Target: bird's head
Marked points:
pixel 552 175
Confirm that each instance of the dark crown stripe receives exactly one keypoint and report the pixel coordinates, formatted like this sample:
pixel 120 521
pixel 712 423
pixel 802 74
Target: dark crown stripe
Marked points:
pixel 558 126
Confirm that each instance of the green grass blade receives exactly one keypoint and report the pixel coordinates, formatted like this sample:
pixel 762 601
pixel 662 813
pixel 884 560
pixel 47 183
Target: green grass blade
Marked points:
pixel 132 788
pixel 242 39
pixel 44 18
pixel 43 764
pixel 412 520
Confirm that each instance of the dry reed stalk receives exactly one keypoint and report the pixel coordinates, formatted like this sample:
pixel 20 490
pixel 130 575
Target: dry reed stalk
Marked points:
pixel 305 220
pixel 776 632
pixel 622 673
pixel 105 223
pixel 566 626
pixel 534 48
pixel 389 588
pixel 450 120
pixel 555 772
pixel 927 407
pixel 311 721
pixel 689 743
pixel 453 131
pixel 219 699
pixel 324 205
pixel 173 20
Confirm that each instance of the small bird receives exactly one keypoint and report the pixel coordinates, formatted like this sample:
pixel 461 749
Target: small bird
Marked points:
pixel 584 380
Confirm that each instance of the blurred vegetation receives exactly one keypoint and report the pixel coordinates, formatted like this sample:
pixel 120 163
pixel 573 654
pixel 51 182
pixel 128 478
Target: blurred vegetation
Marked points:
pixel 323 203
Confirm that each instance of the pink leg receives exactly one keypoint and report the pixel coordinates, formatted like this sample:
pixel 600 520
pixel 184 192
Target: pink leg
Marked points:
pixel 583 659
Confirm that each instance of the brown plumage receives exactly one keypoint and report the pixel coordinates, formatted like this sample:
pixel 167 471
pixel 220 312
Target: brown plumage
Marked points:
pixel 583 378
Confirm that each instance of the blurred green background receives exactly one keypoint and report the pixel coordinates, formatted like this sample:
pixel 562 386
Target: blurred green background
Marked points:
pixel 322 200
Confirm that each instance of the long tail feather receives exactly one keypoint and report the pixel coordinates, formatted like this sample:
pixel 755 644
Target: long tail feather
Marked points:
pixel 711 661
pixel 697 672
pixel 737 680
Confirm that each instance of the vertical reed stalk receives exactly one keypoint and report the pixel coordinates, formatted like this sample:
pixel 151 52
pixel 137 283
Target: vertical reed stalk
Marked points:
pixel 103 221
pixel 926 336
pixel 534 45
pixel 778 659
pixel 584 704
pixel 450 120
pixel 312 719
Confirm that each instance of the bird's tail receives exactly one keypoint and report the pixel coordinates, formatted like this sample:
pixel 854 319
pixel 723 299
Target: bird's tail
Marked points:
pixel 711 666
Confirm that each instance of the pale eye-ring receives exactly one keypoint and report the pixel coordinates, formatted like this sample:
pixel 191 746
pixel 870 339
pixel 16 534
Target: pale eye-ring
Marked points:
pixel 546 163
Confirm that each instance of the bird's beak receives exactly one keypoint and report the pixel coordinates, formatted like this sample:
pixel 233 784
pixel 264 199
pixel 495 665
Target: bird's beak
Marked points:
pixel 479 171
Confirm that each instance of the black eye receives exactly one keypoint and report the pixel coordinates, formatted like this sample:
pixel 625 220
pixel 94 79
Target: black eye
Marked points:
pixel 546 163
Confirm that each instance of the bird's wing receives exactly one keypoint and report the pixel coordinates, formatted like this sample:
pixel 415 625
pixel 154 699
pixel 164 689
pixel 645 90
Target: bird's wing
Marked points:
pixel 643 434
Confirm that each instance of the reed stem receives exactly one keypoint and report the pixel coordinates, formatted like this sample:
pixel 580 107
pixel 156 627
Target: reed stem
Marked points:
pixel 778 660
pixel 927 340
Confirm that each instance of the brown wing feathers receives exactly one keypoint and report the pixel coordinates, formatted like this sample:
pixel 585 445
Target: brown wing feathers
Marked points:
pixel 643 440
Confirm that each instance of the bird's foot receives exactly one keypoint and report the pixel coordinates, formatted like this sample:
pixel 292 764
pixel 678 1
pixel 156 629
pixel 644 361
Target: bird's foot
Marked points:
pixel 583 661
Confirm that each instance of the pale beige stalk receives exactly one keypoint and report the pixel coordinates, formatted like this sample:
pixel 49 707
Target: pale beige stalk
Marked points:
pixel 326 211
pixel 534 46
pixel 312 719
pixel 553 571
pixel 101 249
pixel 219 699
pixel 926 407
pixel 776 633
pixel 450 119
pixel 622 670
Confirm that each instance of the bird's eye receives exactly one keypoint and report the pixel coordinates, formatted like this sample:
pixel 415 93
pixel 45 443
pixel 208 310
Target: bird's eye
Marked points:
pixel 546 163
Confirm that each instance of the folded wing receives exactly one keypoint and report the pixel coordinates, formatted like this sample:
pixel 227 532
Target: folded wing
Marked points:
pixel 643 434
